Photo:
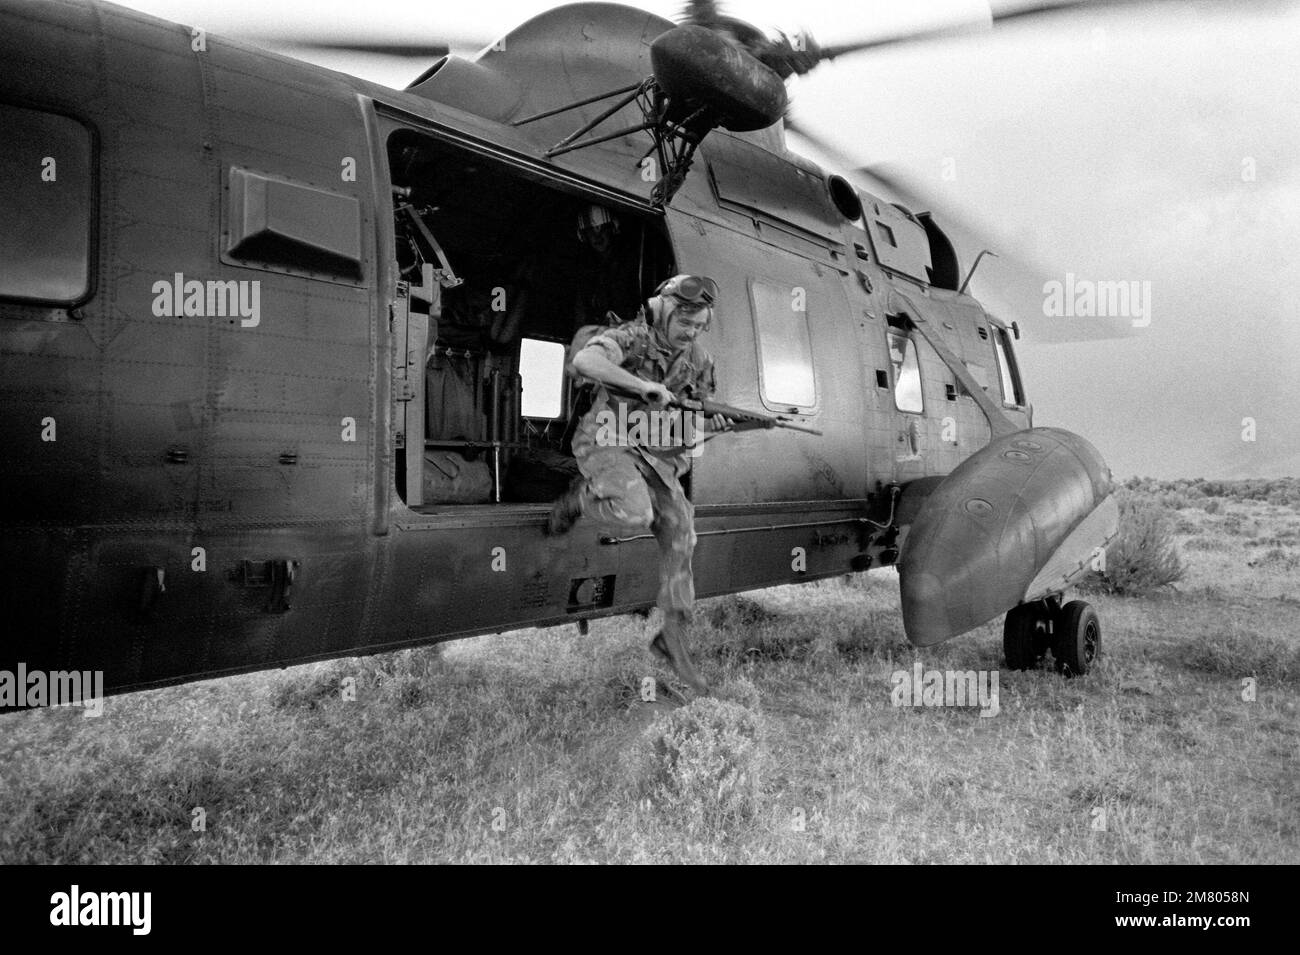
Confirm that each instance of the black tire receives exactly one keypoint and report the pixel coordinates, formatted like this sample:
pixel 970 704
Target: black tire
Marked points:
pixel 1078 638
pixel 1023 636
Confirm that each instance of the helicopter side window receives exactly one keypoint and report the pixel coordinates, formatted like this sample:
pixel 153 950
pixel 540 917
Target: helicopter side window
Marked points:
pixel 1011 391
pixel 541 368
pixel 907 372
pixel 784 345
pixel 46 206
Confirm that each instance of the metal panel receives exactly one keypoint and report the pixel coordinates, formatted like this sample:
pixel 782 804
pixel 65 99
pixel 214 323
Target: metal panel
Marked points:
pixel 275 222
pixel 770 186
pixel 900 243
pixel 764 466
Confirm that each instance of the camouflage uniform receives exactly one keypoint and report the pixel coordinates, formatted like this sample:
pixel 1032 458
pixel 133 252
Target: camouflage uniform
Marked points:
pixel 639 487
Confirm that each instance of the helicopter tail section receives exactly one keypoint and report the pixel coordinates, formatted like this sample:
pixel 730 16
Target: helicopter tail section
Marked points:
pixel 1018 521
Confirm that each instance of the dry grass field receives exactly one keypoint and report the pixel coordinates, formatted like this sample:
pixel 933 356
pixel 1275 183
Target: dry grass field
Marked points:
pixel 537 746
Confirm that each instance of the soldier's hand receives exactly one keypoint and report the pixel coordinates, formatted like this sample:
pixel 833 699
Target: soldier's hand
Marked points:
pixel 720 422
pixel 656 394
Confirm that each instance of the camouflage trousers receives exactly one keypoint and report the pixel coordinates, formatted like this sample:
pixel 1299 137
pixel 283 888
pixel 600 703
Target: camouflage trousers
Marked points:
pixel 624 490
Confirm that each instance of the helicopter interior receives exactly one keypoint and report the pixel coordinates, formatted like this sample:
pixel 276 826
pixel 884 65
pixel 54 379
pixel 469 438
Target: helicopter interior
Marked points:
pixel 500 271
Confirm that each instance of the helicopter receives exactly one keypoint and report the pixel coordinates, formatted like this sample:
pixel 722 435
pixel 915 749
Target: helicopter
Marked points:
pixel 283 349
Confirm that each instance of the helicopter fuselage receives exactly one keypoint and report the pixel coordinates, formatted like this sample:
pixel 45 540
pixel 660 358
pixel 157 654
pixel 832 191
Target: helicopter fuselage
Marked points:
pixel 211 359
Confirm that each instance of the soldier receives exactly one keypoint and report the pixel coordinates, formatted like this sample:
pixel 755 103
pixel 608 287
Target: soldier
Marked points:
pixel 631 476
pixel 608 268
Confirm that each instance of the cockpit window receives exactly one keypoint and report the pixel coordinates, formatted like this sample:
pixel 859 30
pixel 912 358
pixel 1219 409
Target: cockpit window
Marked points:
pixel 1011 391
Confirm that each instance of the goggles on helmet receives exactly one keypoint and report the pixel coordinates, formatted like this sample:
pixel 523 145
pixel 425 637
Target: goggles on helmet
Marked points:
pixel 691 292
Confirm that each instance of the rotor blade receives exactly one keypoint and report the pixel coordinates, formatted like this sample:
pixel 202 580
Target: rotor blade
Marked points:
pixel 397 45
pixel 1003 13
pixel 833 50
pixel 403 48
pixel 1011 286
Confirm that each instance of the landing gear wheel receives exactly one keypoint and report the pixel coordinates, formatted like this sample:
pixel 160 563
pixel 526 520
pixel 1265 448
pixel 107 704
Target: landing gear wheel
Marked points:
pixel 1078 638
pixel 1024 636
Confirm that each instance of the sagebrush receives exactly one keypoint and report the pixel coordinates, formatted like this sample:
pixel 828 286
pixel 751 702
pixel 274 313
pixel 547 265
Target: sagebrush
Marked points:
pixel 1143 558
pixel 706 759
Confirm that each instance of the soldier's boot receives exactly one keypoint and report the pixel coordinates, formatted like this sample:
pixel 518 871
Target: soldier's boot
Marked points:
pixel 669 646
pixel 566 510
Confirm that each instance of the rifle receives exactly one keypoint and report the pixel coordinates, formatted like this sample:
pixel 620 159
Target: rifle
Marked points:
pixel 743 420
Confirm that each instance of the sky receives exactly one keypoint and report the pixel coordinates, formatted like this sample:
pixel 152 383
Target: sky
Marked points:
pixel 1157 145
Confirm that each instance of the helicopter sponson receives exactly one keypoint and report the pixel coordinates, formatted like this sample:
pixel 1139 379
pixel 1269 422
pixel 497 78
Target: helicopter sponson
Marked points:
pixel 1017 521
